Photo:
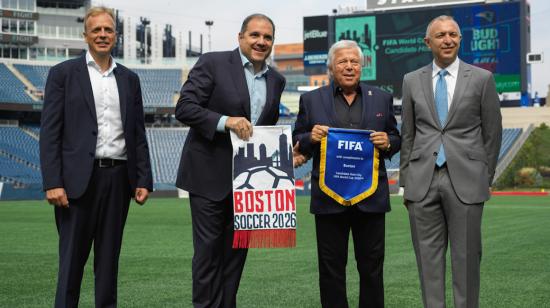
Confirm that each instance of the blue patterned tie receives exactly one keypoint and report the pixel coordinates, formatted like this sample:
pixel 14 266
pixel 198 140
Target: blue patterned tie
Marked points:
pixel 441 105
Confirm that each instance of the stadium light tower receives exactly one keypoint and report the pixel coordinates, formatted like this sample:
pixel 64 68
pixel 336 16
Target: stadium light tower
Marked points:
pixel 209 24
pixel 145 23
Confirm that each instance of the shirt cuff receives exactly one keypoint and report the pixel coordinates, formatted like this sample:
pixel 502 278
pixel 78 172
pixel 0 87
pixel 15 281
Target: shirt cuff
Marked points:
pixel 221 124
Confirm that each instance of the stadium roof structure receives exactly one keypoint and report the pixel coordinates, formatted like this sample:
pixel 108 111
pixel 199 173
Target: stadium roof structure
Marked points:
pixel 63 3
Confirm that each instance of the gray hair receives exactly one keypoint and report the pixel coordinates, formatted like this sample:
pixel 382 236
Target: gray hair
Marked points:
pixel 442 18
pixel 343 44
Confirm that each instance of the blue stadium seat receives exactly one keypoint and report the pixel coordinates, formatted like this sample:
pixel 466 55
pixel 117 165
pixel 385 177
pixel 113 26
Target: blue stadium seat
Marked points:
pixel 509 137
pixel 36 74
pixel 20 144
pixel 12 90
pixel 17 171
pixel 165 146
pixel 19 156
pixel 158 86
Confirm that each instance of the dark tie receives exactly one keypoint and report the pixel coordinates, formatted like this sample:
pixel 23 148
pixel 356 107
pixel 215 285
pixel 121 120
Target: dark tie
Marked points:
pixel 441 105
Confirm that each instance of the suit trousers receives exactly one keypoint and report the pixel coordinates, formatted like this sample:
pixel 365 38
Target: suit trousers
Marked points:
pixel 436 220
pixel 217 267
pixel 368 231
pixel 97 217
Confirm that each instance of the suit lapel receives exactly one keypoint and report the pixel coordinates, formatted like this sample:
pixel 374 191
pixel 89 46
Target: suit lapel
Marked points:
pixel 120 76
pixel 462 81
pixel 366 100
pixel 327 99
pixel 239 79
pixel 86 86
pixel 427 87
pixel 270 86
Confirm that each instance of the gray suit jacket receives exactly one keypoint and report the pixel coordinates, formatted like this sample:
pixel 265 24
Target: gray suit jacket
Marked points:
pixel 471 137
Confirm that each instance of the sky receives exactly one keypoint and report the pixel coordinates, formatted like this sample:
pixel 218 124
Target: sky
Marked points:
pixel 190 15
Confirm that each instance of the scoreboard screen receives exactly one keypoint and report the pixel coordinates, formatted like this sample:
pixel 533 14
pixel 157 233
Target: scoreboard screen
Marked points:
pixel 393 42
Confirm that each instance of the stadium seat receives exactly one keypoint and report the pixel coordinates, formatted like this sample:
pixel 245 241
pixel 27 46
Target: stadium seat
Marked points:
pixel 12 89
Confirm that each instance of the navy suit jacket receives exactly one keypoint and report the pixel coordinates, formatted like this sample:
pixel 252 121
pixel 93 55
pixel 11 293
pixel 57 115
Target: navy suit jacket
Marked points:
pixel 317 107
pixel 217 86
pixel 68 133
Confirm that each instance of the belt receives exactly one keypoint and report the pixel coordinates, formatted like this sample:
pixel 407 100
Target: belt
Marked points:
pixel 108 162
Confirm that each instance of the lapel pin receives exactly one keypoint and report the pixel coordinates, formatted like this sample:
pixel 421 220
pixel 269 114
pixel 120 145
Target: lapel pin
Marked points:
pixel 370 93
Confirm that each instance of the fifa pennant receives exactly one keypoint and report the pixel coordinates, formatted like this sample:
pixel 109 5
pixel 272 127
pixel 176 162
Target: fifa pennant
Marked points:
pixel 348 170
pixel 264 195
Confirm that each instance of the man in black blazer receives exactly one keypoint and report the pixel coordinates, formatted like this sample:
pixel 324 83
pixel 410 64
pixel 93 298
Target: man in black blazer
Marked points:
pixel 347 103
pixel 230 90
pixel 94 158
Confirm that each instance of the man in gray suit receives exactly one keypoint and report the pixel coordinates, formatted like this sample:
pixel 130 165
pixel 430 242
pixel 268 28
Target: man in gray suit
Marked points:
pixel 451 135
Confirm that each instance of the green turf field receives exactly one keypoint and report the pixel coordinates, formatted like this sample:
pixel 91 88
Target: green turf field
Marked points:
pixel 155 265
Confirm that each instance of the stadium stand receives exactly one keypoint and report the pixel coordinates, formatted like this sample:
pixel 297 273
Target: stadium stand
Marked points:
pixel 304 170
pixel 165 146
pixel 19 162
pixel 509 136
pixel 15 172
pixel 20 144
pixel 287 121
pixel 36 74
pixel 12 89
pixel 33 130
pixel 158 86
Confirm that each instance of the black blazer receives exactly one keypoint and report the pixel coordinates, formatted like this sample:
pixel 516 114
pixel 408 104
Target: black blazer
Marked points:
pixel 217 86
pixel 317 107
pixel 68 133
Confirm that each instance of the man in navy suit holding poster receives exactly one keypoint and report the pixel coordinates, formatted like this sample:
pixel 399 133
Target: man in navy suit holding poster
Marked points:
pixel 226 91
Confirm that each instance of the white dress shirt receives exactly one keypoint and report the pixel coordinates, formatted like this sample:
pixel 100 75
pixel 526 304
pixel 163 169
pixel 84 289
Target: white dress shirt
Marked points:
pixel 110 134
pixel 450 79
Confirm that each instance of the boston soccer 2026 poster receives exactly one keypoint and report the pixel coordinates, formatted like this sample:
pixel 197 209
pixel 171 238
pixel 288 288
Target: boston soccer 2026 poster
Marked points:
pixel 264 197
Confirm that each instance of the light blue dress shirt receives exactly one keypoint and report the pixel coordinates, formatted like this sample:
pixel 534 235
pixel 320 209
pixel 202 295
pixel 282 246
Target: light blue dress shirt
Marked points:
pixel 257 91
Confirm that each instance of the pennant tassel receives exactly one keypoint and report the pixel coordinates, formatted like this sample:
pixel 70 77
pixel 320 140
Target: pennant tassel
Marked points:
pixel 272 238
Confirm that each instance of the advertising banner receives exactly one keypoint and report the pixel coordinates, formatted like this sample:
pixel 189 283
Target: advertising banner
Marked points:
pixel 393 43
pixel 362 30
pixel 316 44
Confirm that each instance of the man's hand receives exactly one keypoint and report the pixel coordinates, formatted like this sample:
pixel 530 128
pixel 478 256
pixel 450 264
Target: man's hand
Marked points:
pixel 57 197
pixel 298 158
pixel 318 132
pixel 241 126
pixel 380 140
pixel 141 195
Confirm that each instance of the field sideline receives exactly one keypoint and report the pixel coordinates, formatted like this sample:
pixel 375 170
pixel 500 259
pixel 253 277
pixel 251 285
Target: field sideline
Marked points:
pixel 155 264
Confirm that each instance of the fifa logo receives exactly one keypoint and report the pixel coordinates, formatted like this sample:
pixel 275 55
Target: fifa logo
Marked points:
pixel 350 145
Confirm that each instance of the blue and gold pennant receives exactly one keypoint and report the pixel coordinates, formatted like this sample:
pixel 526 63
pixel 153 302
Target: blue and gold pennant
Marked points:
pixel 349 165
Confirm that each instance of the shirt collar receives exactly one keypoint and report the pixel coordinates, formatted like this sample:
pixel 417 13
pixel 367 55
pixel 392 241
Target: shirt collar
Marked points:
pixel 451 69
pixel 90 61
pixel 336 89
pixel 247 63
